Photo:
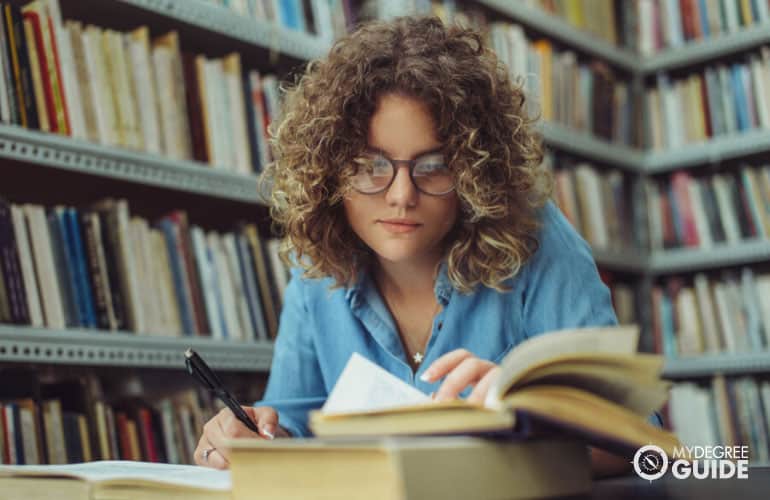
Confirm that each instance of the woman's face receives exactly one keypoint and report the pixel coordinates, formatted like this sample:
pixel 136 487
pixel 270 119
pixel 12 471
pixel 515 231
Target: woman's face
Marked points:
pixel 402 224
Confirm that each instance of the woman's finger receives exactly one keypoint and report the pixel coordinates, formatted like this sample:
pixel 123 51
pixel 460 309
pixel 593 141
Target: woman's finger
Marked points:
pixel 207 455
pixel 267 421
pixel 445 364
pixel 216 460
pixel 468 372
pixel 479 393
pixel 224 426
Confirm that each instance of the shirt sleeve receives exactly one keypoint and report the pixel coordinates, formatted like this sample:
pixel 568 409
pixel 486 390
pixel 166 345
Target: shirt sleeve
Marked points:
pixel 562 288
pixel 295 385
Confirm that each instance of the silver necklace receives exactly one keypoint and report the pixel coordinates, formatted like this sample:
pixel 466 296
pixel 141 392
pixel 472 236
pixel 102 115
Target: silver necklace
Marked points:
pixel 418 356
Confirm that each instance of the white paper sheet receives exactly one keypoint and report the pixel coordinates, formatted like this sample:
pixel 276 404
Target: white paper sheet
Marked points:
pixel 118 470
pixel 363 385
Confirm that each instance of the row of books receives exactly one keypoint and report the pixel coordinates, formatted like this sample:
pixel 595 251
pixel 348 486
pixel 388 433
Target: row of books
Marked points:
pixel 583 95
pixel 673 23
pixel 66 423
pixel 101 268
pixel 601 18
pixel 710 314
pixel 327 19
pixel 700 212
pixel 727 412
pixel 650 26
pixel 596 202
pixel 718 100
pixel 623 298
pixel 131 90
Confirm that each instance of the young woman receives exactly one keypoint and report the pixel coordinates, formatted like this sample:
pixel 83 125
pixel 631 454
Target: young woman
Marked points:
pixel 409 186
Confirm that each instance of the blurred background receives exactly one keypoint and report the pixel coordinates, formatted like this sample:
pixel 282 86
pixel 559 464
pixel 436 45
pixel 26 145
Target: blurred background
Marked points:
pixel 133 132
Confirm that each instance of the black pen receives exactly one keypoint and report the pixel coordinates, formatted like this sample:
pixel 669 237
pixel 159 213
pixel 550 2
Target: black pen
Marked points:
pixel 201 371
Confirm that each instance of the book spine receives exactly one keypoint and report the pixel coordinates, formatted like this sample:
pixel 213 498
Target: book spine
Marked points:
pixel 40 81
pixel 193 99
pixel 57 80
pixel 8 83
pixel 11 268
pixel 46 71
pixel 71 261
pixel 188 260
pixel 148 438
pixel 263 276
pixel 29 276
pixel 110 242
pixel 96 272
pixel 72 439
pixel 24 70
pixel 252 291
pixel 84 281
pixel 5 306
pixel 184 301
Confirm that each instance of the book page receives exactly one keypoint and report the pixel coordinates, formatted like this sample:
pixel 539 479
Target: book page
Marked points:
pixel 608 340
pixel 189 476
pixel 364 386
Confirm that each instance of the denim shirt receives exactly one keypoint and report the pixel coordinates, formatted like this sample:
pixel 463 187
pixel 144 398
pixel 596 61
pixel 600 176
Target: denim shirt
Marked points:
pixel 558 287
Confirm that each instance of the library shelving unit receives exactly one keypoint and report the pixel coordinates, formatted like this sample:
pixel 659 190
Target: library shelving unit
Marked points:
pixel 83 157
pixel 648 265
pixel 125 349
pixel 263 44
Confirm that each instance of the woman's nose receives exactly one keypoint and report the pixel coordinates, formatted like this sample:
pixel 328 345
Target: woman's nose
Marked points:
pixel 402 191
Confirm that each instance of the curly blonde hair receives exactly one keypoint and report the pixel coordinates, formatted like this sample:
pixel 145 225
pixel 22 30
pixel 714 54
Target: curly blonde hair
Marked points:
pixel 481 120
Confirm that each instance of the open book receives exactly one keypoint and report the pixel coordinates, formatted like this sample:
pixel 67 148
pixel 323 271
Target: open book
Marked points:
pixel 588 383
pixel 114 479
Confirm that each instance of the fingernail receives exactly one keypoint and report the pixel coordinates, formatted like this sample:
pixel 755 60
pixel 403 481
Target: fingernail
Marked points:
pixel 267 433
pixel 426 376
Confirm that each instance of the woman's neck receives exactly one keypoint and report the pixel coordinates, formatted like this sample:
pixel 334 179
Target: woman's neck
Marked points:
pixel 406 281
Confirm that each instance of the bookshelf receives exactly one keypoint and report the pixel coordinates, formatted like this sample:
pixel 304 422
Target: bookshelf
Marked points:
pixel 643 164
pixel 684 260
pixel 705 365
pixel 715 151
pixel 22 344
pixel 154 184
pixel 83 157
pixel 695 53
pixel 215 19
pixel 585 145
pixel 554 28
pixel 267 44
pixel 629 261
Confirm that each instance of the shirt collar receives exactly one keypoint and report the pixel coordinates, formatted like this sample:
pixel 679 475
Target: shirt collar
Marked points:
pixel 363 285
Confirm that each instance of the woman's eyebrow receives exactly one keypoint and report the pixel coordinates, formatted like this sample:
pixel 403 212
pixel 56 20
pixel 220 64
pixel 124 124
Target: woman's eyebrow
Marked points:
pixel 375 149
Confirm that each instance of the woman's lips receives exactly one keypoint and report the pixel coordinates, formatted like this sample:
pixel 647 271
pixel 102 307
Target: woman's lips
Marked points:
pixel 398 227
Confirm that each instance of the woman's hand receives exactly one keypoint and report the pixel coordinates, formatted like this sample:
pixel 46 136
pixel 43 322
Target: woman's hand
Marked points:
pixel 211 451
pixel 461 369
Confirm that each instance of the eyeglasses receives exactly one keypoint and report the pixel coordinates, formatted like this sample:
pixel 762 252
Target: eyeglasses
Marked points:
pixel 375 173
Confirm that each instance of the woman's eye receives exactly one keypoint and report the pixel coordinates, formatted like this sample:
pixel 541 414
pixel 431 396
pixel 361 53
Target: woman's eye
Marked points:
pixel 431 165
pixel 379 166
